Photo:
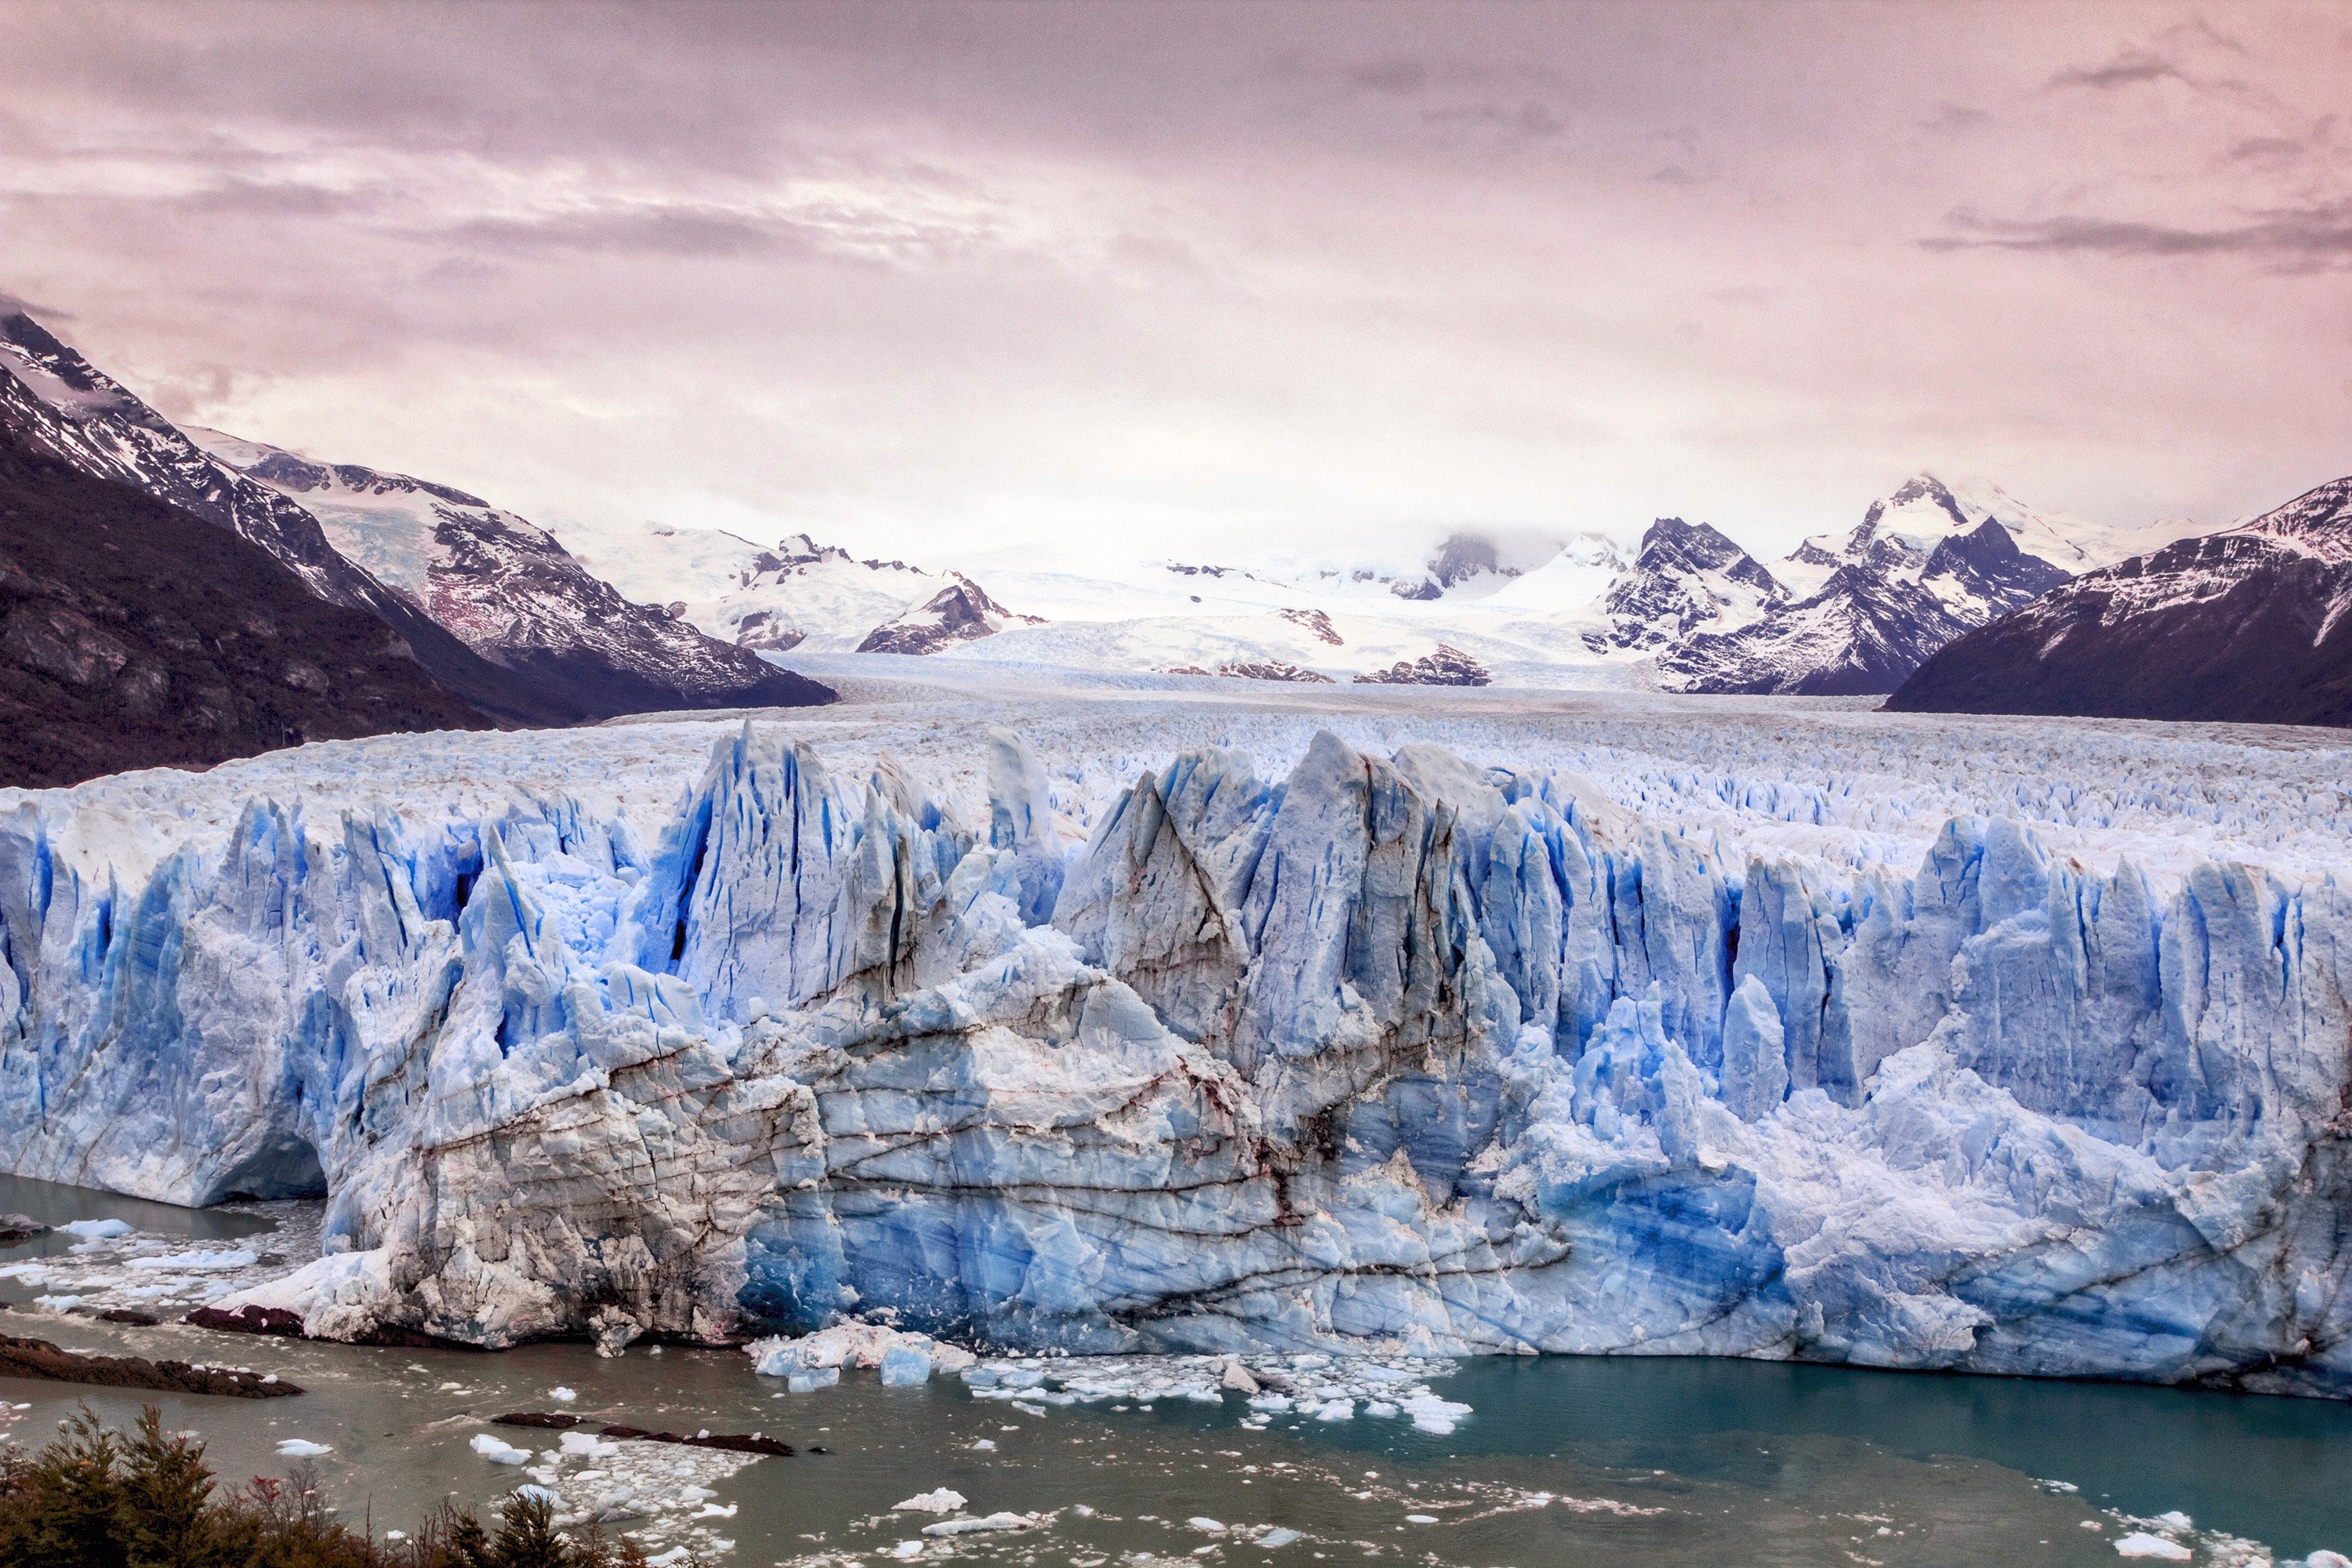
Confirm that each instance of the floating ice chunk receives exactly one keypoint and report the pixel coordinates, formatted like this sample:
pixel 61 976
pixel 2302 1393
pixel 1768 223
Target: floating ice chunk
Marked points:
pixel 2176 1519
pixel 303 1449
pixel 587 1445
pixel 1430 1414
pixel 1421 1518
pixel 904 1367
pixel 95 1229
pixel 715 1511
pixel 984 1446
pixel 1280 1535
pixel 2324 1559
pixel 562 1395
pixel 547 1494
pixel 904 1549
pixel 810 1381
pixel 197 1262
pixel 2139 1543
pixel 943 1500
pixel 1336 1410
pixel 990 1525
pixel 498 1451
pixel 1203 1521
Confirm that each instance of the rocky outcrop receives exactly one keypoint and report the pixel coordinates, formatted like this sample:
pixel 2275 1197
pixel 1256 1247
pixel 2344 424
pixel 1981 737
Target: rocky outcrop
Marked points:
pixel 1445 666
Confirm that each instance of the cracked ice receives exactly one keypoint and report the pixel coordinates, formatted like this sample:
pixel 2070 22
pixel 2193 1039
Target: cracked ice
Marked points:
pixel 1364 1045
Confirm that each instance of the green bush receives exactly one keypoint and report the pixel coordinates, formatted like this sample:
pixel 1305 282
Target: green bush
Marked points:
pixel 101 1499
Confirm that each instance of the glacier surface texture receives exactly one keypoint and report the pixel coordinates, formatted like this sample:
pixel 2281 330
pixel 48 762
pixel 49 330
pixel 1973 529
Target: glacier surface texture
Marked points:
pixel 1140 1023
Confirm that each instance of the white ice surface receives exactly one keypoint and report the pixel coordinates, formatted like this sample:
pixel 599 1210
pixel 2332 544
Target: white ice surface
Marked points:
pixel 1126 1014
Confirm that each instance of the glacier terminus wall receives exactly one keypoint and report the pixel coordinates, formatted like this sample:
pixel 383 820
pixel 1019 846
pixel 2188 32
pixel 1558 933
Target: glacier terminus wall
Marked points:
pixel 1169 1047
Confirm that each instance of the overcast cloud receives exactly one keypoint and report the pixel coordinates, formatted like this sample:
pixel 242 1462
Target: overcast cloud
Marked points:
pixel 1207 275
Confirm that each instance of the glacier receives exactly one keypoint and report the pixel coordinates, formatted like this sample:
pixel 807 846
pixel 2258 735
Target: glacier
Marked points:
pixel 1125 1021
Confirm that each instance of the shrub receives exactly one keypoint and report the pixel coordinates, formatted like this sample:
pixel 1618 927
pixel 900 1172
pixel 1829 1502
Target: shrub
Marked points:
pixel 95 1498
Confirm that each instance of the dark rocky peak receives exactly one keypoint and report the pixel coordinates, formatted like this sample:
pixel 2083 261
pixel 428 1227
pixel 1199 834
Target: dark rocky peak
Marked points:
pixel 1988 563
pixel 957 613
pixel 287 472
pixel 1670 544
pixel 1665 595
pixel 1463 556
pixel 1919 487
pixel 963 605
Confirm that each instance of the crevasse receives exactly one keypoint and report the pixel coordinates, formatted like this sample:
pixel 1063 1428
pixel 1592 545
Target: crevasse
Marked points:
pixel 1391 1048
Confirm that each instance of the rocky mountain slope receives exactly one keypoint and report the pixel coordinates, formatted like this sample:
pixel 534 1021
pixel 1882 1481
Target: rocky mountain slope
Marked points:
pixel 135 634
pixel 494 609
pixel 2252 624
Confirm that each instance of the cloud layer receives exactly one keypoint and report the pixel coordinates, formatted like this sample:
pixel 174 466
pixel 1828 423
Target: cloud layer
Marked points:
pixel 1208 276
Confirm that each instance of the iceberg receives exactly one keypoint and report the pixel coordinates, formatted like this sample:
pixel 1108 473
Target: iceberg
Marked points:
pixel 1103 1053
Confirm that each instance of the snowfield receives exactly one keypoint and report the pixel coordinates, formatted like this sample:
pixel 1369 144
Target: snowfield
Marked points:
pixel 1124 1013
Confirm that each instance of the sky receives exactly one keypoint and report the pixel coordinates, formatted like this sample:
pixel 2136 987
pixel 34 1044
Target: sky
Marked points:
pixel 1183 279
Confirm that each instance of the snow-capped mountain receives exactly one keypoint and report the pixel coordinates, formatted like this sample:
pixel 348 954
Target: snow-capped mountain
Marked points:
pixel 509 590
pixel 1686 609
pixel 1922 567
pixel 494 609
pixel 2252 624
pixel 1686 579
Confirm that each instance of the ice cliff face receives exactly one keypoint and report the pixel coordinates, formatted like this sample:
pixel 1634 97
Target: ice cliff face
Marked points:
pixel 1390 1046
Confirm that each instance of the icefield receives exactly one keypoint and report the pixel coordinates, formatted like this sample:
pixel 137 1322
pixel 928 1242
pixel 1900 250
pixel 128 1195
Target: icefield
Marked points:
pixel 1163 1021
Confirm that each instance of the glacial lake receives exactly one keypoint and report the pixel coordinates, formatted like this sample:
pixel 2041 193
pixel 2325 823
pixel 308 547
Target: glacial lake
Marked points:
pixel 1563 1460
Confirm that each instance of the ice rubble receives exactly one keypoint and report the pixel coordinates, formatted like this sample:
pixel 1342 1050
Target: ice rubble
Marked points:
pixel 1394 1050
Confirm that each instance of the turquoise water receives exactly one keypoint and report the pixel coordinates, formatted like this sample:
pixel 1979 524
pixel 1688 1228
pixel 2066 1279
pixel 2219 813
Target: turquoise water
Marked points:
pixel 1622 1461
